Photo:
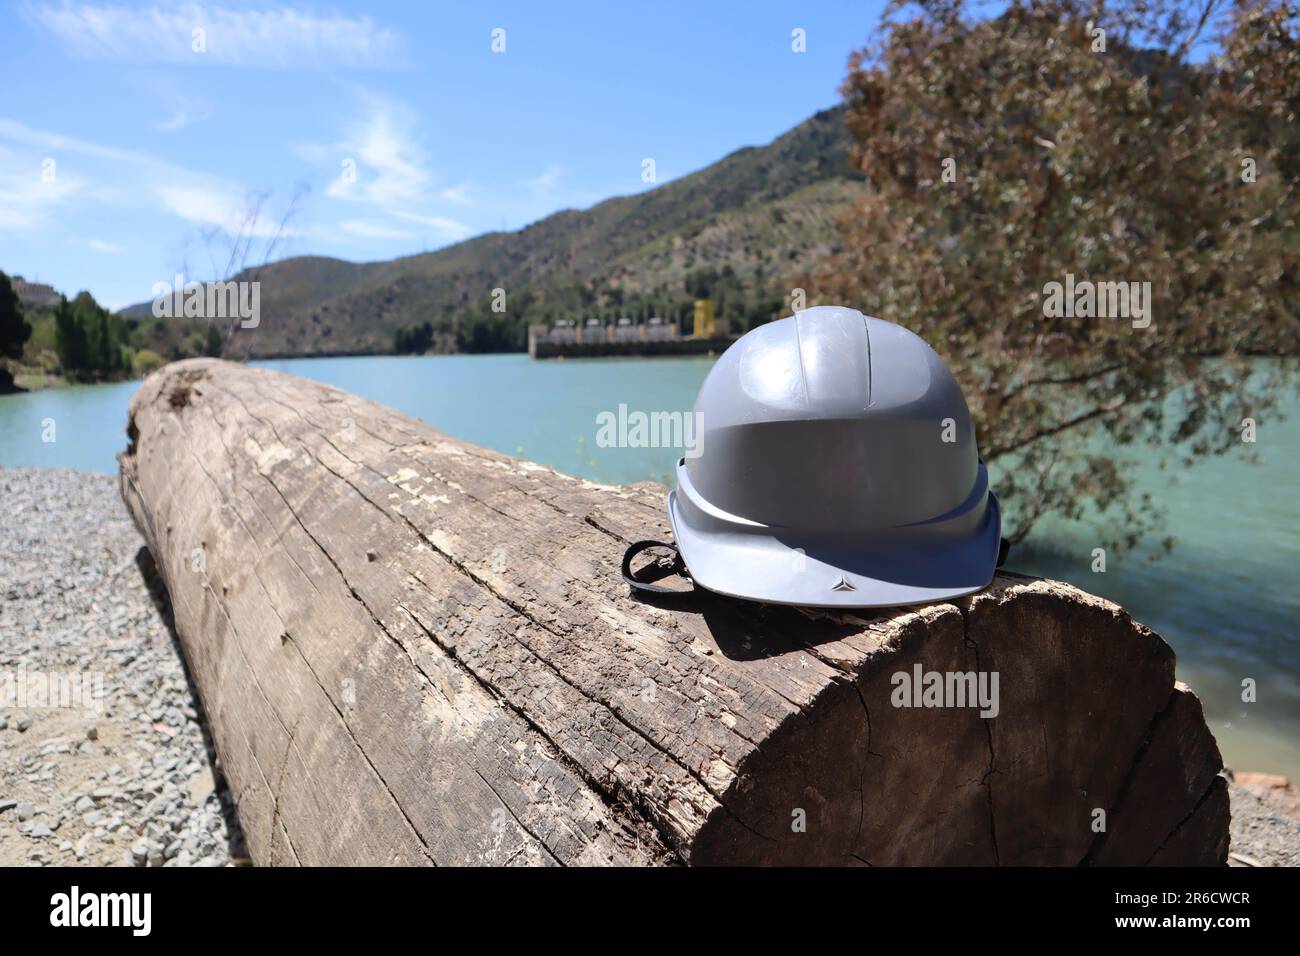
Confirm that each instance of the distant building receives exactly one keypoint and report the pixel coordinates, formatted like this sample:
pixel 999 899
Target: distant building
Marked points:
pixel 34 293
pixel 704 319
pixel 658 329
pixel 624 336
pixel 625 330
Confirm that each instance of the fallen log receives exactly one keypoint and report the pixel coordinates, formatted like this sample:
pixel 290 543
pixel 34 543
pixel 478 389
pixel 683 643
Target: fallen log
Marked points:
pixel 413 650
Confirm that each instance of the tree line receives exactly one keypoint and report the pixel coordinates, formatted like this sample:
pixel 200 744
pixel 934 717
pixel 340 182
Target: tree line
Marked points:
pixel 91 343
pixel 478 328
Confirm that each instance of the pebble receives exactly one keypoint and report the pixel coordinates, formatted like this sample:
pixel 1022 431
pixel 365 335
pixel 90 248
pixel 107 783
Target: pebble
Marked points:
pixel 114 779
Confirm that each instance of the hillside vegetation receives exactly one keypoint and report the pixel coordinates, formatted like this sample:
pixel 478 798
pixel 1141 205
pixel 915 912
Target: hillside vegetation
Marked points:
pixel 735 230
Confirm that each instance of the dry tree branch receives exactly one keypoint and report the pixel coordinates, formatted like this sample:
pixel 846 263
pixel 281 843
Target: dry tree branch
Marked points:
pixel 1108 408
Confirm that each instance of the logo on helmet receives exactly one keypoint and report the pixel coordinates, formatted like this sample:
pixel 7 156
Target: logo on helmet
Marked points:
pixel 843 585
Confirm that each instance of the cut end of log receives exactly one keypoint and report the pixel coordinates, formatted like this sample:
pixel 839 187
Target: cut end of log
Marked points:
pixel 417 650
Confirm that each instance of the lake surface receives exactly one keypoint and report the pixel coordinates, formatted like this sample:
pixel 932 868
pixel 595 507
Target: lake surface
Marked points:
pixel 1227 599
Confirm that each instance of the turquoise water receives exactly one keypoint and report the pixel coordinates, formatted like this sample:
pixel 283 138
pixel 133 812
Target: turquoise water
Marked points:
pixel 1227 598
pixel 543 411
pixel 88 427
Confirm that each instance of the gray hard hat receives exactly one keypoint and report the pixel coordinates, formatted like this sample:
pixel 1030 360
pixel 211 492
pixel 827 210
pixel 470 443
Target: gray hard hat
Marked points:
pixel 837 467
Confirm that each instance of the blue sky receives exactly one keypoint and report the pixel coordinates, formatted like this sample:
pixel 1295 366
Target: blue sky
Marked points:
pixel 159 151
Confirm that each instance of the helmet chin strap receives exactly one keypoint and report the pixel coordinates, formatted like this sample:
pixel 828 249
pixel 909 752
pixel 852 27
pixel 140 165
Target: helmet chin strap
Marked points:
pixel 678 567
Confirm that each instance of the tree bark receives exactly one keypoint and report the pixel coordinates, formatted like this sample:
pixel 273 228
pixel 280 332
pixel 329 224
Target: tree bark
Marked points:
pixel 415 650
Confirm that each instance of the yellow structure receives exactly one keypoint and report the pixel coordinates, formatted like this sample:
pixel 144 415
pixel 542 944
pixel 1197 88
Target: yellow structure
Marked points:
pixel 704 319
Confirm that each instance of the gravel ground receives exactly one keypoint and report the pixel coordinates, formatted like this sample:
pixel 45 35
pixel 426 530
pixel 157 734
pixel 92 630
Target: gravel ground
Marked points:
pixel 121 771
pixel 127 776
pixel 1265 821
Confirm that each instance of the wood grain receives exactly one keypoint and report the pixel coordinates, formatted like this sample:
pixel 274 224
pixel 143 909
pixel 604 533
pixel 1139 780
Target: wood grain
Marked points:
pixel 417 651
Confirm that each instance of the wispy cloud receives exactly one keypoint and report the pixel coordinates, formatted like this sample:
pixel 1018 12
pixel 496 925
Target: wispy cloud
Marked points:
pixel 444 227
pixel 112 248
pixel 271 37
pixel 381 165
pixel 174 123
pixel 457 194
pixel 547 181
pixel 122 177
pixel 179 110
pixel 28 198
pixel 370 229
pixel 390 165
pixel 551 188
pixel 24 135
pixel 224 207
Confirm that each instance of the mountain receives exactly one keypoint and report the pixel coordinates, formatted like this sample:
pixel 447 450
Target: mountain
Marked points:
pixel 734 231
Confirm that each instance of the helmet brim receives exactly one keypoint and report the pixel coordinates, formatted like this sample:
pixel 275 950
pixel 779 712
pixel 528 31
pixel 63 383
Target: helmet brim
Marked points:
pixel 776 566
